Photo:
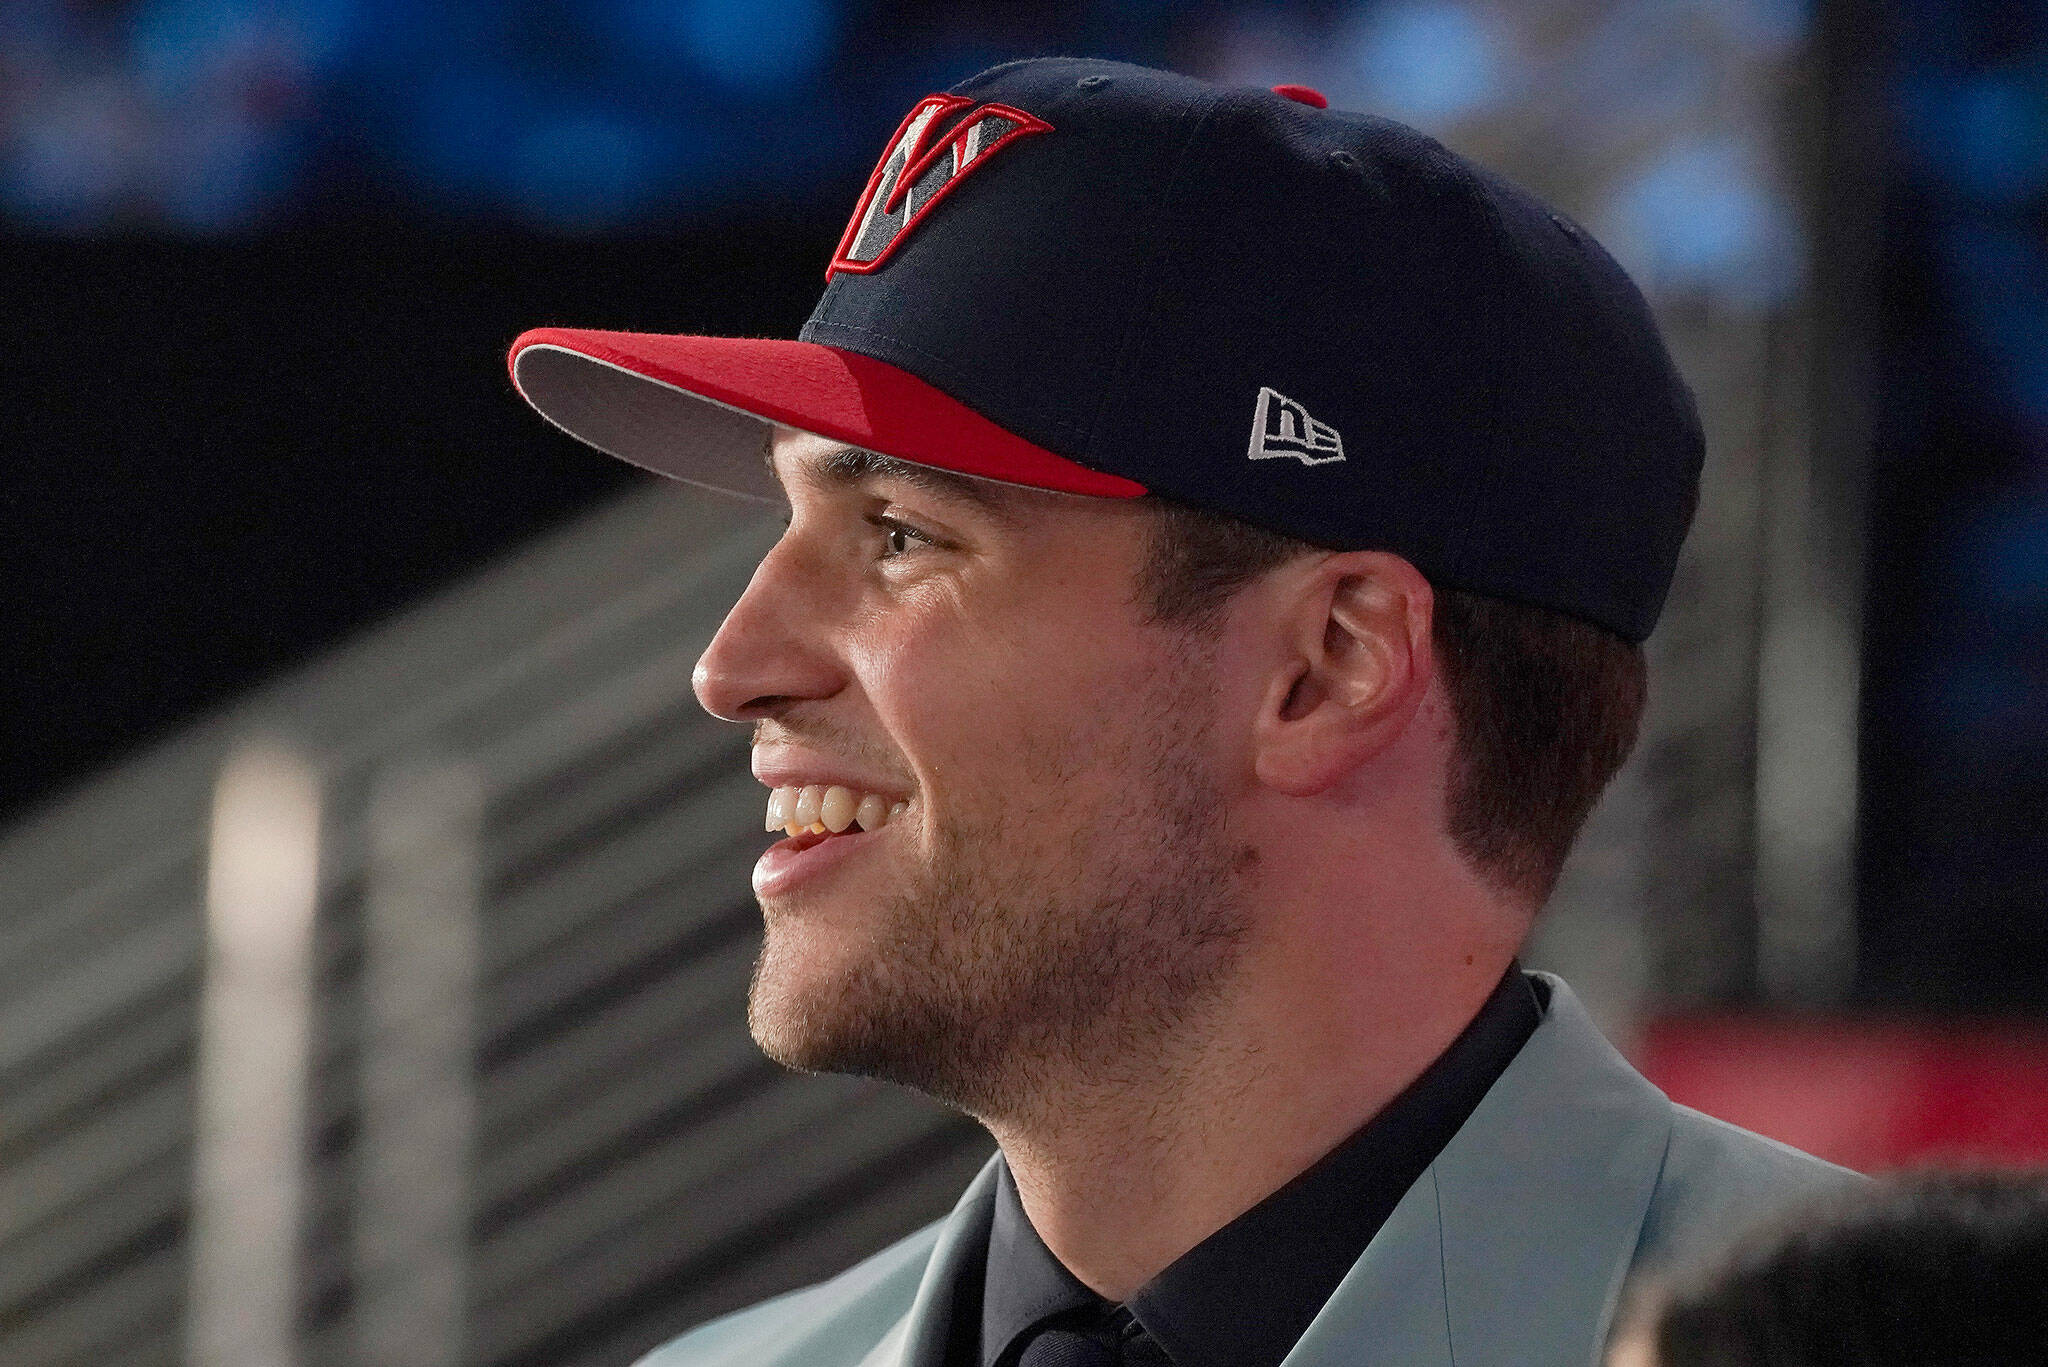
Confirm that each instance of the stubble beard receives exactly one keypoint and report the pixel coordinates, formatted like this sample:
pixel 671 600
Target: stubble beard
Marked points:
pixel 1043 953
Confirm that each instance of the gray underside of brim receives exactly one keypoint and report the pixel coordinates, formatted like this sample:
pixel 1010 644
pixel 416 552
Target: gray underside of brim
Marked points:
pixel 648 422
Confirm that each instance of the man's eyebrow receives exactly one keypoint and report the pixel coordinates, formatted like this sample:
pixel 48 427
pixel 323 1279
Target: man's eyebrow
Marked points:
pixel 845 466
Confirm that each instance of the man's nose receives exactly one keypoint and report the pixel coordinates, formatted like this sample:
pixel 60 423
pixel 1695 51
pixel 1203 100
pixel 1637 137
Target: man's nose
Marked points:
pixel 770 651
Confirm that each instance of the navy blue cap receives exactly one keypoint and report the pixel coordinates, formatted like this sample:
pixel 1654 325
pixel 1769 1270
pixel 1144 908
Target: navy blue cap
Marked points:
pixel 1089 276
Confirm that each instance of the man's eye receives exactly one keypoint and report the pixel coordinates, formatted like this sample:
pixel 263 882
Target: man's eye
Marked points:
pixel 900 536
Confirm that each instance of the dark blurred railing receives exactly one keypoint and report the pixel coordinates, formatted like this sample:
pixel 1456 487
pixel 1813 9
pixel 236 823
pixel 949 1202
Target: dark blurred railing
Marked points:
pixel 638 1165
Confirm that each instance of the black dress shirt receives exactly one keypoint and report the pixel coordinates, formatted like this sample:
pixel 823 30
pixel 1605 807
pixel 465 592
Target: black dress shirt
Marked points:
pixel 1244 1295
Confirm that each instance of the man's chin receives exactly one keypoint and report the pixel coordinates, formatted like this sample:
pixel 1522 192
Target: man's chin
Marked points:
pixel 804 1013
pixel 814 1045
pixel 832 1027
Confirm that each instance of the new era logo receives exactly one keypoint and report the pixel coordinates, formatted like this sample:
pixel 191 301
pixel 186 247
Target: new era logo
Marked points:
pixel 1283 427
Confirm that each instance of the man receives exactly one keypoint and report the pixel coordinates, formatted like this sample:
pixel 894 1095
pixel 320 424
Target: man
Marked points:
pixel 1221 531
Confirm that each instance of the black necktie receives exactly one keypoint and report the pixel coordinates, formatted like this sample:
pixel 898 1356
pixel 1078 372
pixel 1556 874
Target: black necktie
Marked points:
pixel 1101 1336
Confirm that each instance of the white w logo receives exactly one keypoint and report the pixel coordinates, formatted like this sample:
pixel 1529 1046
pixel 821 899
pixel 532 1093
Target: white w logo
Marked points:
pixel 912 176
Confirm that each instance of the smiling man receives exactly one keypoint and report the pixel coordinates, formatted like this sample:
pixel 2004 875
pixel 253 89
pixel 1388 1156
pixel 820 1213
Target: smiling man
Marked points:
pixel 1221 534
pixel 1061 873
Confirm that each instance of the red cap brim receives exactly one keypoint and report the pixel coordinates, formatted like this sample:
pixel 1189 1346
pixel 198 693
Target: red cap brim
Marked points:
pixel 699 409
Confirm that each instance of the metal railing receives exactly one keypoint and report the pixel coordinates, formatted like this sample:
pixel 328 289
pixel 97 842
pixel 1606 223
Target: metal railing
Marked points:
pixel 634 1164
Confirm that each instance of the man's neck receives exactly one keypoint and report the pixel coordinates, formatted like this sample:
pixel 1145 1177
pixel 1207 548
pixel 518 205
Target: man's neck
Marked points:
pixel 1120 1180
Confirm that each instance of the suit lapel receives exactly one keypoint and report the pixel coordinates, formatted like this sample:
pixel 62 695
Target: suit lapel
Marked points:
pixel 1390 1307
pixel 1512 1247
pixel 919 1338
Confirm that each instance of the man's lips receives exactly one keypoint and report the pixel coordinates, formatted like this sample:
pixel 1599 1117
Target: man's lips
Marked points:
pixel 799 859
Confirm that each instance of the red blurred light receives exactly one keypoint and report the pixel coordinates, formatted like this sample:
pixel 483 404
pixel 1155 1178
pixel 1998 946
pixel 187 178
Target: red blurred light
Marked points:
pixel 1868 1095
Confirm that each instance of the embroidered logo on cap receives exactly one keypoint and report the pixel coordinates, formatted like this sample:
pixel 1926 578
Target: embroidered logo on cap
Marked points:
pixel 917 172
pixel 1282 427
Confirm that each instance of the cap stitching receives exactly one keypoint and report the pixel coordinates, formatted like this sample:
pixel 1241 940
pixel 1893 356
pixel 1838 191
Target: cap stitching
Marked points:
pixel 1153 272
pixel 1456 549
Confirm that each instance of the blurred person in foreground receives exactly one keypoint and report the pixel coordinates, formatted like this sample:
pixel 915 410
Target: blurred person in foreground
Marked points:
pixel 1946 1269
pixel 1221 533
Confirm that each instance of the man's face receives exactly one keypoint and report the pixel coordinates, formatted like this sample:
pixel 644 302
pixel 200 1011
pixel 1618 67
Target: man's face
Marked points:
pixel 1061 897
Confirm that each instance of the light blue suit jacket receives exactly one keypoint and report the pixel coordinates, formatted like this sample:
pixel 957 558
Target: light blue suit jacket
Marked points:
pixel 1510 1249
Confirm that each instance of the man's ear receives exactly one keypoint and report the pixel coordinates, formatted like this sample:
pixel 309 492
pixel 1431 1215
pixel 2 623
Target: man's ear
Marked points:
pixel 1356 664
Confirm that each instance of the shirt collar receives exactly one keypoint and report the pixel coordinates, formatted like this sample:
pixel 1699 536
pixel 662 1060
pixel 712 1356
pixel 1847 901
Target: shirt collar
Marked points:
pixel 1024 1284
pixel 1243 1296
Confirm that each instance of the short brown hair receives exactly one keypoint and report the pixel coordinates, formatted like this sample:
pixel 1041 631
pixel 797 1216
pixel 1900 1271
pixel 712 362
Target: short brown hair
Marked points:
pixel 1547 706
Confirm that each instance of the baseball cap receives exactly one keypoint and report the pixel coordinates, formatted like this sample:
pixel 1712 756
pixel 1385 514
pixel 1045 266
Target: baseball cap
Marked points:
pixel 1108 280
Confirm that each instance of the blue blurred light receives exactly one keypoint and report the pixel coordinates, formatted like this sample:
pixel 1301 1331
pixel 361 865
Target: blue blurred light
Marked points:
pixel 1706 221
pixel 1429 62
pixel 468 96
pixel 65 167
pixel 2000 275
pixel 177 44
pixel 2009 553
pixel 585 171
pixel 1988 135
pixel 220 176
pixel 1773 28
pixel 183 49
pixel 744 45
pixel 325 29
pixel 1635 70
pixel 456 124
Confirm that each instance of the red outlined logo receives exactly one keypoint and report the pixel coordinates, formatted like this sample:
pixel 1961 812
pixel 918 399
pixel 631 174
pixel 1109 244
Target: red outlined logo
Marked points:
pixel 919 169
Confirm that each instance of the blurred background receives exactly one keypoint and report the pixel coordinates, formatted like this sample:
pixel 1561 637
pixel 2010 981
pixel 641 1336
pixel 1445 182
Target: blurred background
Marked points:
pixel 374 914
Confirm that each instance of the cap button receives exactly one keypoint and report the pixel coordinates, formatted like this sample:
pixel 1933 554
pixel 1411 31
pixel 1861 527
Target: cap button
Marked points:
pixel 1301 94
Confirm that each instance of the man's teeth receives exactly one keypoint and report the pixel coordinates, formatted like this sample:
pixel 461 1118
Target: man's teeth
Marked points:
pixel 819 809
